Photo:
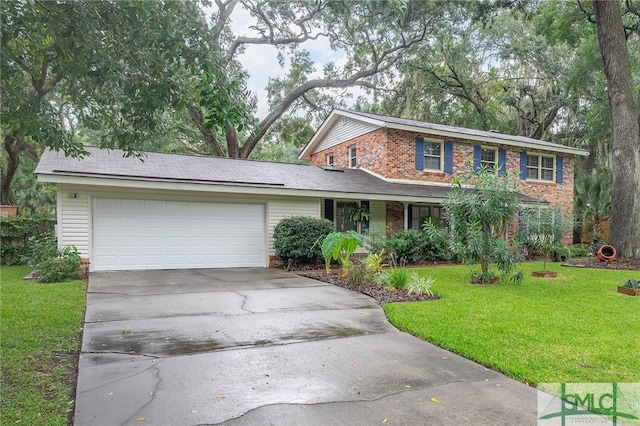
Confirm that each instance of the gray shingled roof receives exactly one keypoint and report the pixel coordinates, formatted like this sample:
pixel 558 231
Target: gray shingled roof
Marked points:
pixel 465 133
pixel 226 171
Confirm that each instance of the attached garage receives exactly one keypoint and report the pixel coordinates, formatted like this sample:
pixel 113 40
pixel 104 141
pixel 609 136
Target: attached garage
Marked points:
pixel 133 234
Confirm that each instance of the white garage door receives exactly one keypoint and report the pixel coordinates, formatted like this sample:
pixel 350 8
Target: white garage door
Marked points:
pixel 145 234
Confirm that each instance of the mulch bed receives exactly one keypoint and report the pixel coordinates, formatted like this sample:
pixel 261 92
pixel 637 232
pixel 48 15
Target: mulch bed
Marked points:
pixel 628 264
pixel 382 294
pixel 379 293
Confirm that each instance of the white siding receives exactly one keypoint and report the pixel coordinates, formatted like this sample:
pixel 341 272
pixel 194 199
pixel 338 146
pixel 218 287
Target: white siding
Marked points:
pixel 278 210
pixel 75 223
pixel 340 132
pixel 74 219
pixel 378 221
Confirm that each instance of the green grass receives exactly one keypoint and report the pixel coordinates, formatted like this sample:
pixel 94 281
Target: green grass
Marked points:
pixel 40 328
pixel 574 328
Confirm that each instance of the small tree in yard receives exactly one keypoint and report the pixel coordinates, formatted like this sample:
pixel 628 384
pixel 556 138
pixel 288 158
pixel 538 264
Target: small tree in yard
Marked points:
pixel 478 210
pixel 542 229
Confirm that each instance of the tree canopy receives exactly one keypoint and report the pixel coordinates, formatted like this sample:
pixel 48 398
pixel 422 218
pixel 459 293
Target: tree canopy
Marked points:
pixel 166 76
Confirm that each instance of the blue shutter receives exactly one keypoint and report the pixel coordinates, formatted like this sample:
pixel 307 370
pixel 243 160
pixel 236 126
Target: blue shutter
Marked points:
pixel 477 157
pixel 410 216
pixel 559 169
pixel 521 220
pixel 365 203
pixel 502 161
pixel 419 154
pixel 328 209
pixel 523 165
pixel 448 157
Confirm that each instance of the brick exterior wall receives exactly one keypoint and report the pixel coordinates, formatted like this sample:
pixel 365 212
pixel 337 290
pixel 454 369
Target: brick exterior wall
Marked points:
pixel 395 217
pixel 391 154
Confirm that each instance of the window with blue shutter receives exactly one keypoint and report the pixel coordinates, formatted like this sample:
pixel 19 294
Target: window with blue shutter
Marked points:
pixel 559 169
pixel 477 158
pixel 328 209
pixel 523 165
pixel 448 157
pixel 502 161
pixel 409 216
pixel 419 154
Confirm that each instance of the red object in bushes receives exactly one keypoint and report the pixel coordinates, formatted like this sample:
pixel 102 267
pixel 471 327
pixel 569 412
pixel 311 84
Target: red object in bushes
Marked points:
pixel 607 253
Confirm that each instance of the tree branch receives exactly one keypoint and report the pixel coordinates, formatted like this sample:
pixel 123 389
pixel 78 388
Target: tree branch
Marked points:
pixel 198 119
pixel 350 81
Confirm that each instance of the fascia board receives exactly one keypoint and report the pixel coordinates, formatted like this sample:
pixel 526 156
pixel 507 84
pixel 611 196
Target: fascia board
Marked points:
pixel 219 188
pixel 498 141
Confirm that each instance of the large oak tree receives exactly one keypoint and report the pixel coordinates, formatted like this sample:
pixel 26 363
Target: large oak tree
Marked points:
pixel 625 119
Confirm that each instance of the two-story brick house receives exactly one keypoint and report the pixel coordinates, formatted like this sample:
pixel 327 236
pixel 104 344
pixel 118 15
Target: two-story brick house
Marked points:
pixel 414 152
pixel 181 211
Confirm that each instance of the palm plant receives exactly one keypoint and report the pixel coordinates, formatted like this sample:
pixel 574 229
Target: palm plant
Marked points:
pixel 593 200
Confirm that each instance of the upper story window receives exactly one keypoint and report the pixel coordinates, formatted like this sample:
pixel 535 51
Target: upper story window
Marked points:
pixel 352 156
pixel 540 167
pixel 489 158
pixel 330 160
pixel 432 155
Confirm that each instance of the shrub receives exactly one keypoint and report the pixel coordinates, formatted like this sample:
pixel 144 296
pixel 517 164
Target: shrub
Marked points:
pixel 420 285
pixel 415 246
pixel 376 240
pixel 300 238
pixel 578 250
pixel 15 232
pixel 396 277
pixel 50 264
pixel 359 273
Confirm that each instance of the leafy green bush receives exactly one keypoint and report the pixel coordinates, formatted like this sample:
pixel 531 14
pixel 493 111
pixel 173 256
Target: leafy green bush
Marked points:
pixel 300 238
pixel 578 250
pixel 15 232
pixel 49 263
pixel 395 277
pixel 12 254
pixel 415 246
pixel 376 239
pixel 420 285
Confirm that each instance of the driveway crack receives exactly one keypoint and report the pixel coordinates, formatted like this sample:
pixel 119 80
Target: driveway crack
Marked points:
pixel 245 299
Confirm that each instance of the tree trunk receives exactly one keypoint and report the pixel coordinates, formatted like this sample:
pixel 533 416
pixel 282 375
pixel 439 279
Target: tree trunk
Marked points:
pixel 625 114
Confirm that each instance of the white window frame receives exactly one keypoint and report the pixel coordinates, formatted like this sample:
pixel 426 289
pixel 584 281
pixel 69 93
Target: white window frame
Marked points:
pixel 330 159
pixel 491 166
pixel 441 143
pixel 353 156
pixel 539 168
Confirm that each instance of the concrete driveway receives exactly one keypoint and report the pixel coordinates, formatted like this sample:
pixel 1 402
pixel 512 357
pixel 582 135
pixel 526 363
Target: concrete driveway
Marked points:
pixel 261 346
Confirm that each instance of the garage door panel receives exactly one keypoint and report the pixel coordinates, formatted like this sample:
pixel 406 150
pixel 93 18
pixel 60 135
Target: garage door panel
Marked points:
pixel 147 234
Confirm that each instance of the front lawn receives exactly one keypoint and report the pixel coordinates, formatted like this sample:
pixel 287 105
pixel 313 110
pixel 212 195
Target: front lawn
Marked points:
pixel 574 328
pixel 40 328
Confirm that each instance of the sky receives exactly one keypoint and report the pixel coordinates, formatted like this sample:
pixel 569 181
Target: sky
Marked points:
pixel 261 60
